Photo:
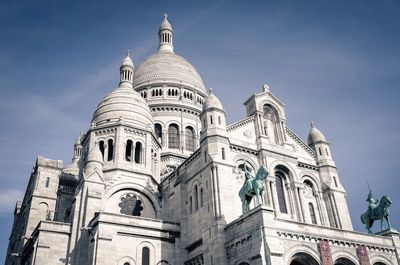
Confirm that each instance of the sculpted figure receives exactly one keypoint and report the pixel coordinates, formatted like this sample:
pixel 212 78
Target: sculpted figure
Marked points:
pixel 249 178
pixel 253 186
pixel 372 203
pixel 376 211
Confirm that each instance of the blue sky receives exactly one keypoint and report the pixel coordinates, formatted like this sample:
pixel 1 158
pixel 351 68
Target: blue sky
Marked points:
pixel 336 63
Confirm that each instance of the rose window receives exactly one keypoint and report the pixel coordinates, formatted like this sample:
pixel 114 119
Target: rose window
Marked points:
pixel 131 205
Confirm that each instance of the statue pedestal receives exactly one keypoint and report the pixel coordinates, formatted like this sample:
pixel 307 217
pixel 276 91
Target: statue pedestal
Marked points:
pixel 388 232
pixel 394 234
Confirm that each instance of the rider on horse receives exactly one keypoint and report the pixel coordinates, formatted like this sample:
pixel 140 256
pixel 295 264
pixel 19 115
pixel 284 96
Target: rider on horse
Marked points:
pixel 372 203
pixel 249 177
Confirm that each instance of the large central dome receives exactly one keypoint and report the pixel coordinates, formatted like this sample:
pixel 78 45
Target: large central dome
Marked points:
pixel 166 67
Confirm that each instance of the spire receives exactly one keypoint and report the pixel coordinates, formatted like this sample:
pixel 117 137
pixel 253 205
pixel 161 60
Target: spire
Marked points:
pixel 165 35
pixel 126 71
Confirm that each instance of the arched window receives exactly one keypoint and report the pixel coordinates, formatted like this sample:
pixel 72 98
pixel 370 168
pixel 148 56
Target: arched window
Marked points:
pixel 280 186
pixel 270 123
pixel 312 213
pixel 302 258
pixel 173 136
pixel 128 150
pixel 189 138
pixel 145 256
pixel 190 205
pixel 219 120
pixel 223 153
pixel 110 154
pixel 47 182
pixel 102 148
pixel 343 261
pixel 211 119
pixel 158 131
pixel 196 198
pixel 138 153
pixel 201 197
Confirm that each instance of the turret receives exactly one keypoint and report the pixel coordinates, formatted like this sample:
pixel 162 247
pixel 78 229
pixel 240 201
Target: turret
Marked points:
pixel 333 192
pixel 126 71
pixel 94 161
pixel 214 133
pixel 165 35
pixel 317 141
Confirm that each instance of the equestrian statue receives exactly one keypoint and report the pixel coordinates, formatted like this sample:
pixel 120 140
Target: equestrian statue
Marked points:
pixel 253 186
pixel 376 211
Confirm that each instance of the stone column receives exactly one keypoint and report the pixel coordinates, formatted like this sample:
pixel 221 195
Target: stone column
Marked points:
pixel 306 217
pixel 269 193
pixel 275 196
pixel 323 211
pixel 291 202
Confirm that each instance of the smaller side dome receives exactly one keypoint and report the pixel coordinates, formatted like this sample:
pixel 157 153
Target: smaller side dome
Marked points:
pixel 315 136
pixel 124 104
pixel 212 102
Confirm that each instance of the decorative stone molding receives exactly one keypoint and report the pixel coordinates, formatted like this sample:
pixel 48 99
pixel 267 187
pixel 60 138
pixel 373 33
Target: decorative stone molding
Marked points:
pixel 333 242
pixel 239 124
pixel 244 149
pixel 300 142
pixel 308 166
pixel 105 131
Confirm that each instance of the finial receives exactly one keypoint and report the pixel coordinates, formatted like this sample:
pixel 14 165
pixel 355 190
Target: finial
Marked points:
pixel 128 53
pixel 312 124
pixel 165 16
pixel 210 91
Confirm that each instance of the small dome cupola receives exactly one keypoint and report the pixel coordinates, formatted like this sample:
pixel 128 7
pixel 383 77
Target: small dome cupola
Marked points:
pixel 212 117
pixel 165 35
pixel 315 136
pixel 212 102
pixel 126 71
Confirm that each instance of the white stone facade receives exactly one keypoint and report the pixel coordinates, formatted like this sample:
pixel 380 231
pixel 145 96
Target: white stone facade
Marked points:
pixel 155 180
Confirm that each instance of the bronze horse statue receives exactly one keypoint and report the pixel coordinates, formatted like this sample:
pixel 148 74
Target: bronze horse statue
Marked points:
pixel 253 186
pixel 378 212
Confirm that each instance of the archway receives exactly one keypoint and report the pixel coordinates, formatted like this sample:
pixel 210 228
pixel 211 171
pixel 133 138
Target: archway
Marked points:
pixel 379 263
pixel 344 261
pixel 303 259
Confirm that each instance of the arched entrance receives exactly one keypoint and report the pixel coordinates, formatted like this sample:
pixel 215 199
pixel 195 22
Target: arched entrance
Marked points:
pixel 344 261
pixel 303 259
pixel 379 263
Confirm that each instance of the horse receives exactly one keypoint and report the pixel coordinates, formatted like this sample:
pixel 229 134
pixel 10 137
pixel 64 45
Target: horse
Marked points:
pixel 379 212
pixel 256 188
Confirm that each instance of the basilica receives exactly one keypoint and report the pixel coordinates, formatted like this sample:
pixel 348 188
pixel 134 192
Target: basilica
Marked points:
pixel 156 178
